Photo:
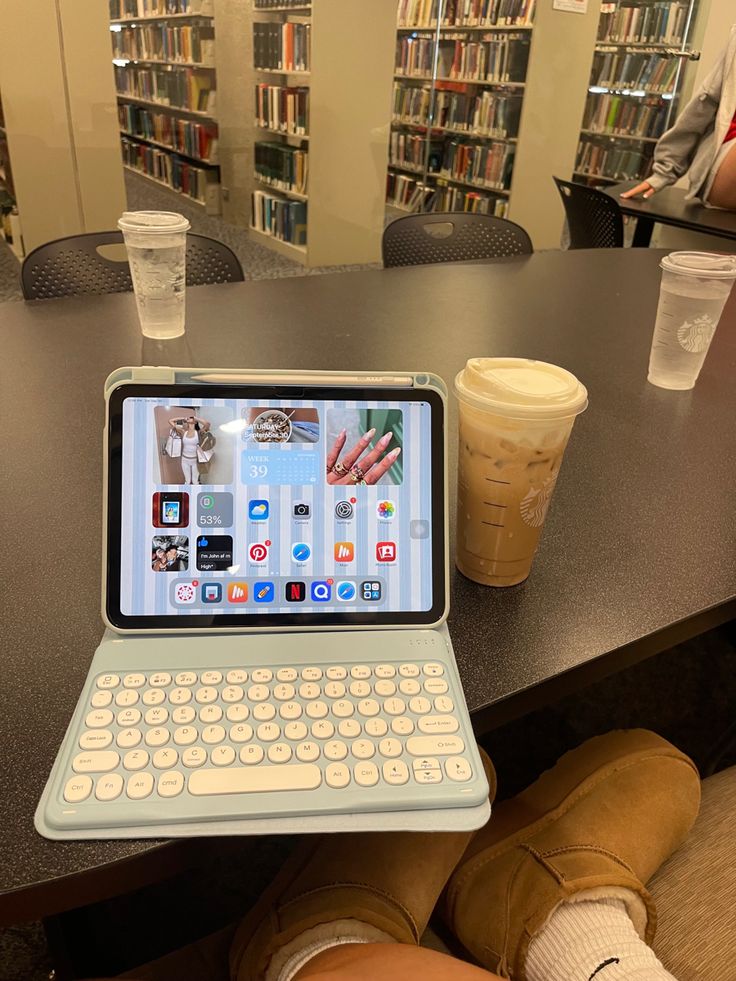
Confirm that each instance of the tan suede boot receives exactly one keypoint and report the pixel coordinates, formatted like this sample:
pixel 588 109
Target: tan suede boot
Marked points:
pixel 391 882
pixel 603 819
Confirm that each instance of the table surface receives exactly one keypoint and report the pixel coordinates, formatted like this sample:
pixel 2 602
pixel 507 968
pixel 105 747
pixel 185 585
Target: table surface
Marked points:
pixel 638 552
pixel 669 207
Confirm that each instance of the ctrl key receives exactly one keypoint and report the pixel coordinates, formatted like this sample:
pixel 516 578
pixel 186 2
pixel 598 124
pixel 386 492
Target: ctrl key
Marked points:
pixel 77 789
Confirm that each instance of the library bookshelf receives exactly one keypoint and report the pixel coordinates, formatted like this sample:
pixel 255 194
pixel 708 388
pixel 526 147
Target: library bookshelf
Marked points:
pixel 10 228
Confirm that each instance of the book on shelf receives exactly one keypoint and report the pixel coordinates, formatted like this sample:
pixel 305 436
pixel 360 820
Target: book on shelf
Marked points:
pixel 180 88
pixel 500 58
pixel 181 135
pixel 195 182
pixel 162 42
pixel 622 115
pixel 599 158
pixel 283 107
pixel 460 199
pixel 279 4
pixel 282 165
pixel 467 13
pixel 634 70
pixel 489 164
pixel 410 150
pixel 282 219
pixel 281 47
pixel 122 9
pixel 408 193
pixel 638 23
pixel 482 114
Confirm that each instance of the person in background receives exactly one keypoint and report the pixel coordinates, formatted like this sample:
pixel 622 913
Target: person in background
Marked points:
pixel 702 141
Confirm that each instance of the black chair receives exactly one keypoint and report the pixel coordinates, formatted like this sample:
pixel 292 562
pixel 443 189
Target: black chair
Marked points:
pixel 451 237
pixel 73 266
pixel 594 219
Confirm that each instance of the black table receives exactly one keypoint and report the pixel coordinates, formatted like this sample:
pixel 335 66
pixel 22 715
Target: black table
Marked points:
pixel 638 552
pixel 669 207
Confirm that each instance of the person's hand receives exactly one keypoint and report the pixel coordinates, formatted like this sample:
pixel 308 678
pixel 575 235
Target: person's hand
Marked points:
pixel 645 189
pixel 360 465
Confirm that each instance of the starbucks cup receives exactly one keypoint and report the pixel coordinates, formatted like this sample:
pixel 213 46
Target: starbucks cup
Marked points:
pixel 156 245
pixel 516 417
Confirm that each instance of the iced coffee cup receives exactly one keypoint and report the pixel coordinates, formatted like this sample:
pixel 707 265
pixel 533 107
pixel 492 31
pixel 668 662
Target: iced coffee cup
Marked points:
pixel 516 417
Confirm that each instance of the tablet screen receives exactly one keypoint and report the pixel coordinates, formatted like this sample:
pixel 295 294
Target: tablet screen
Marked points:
pixel 247 507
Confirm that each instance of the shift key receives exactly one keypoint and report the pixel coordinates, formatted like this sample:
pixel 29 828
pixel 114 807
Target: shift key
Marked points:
pixel 435 745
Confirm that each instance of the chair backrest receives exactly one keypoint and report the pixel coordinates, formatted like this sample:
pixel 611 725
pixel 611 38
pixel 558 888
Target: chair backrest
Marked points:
pixel 594 219
pixel 73 266
pixel 451 237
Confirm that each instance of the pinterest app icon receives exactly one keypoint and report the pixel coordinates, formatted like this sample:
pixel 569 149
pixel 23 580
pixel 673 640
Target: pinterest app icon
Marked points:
pixel 258 552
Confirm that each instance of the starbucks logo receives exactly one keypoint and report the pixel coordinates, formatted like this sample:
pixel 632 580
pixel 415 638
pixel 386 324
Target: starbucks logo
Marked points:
pixel 535 502
pixel 695 335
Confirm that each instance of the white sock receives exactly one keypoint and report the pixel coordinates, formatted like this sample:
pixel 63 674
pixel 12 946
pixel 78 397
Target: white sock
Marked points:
pixel 292 957
pixel 592 940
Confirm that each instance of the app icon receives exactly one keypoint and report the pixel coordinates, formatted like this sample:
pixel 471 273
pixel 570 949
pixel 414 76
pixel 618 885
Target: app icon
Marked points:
pixel 321 591
pixel 419 529
pixel 370 590
pixel 215 510
pixel 295 592
pixel 214 553
pixel 185 593
pixel 386 510
pixel 170 510
pixel 385 551
pixel 344 551
pixel 237 592
pixel 211 592
pixel 258 510
pixel 302 510
pixel 258 551
pixel 344 510
pixel 345 591
pixel 263 592
pixel 301 552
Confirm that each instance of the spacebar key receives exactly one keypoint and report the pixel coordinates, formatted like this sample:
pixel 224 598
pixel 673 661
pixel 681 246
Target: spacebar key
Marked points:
pixel 258 780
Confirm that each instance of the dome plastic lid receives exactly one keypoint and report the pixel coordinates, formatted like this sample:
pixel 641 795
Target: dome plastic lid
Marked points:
pixel 704 265
pixel 153 222
pixel 521 388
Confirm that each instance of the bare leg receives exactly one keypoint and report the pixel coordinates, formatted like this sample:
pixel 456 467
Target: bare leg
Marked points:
pixel 390 962
pixel 723 190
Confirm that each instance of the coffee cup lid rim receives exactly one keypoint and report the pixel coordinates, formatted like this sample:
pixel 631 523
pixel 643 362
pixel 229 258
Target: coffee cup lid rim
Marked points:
pixel 690 263
pixel 153 222
pixel 512 391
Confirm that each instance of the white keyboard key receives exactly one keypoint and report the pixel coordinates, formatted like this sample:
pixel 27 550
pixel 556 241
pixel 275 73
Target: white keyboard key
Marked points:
pixel 236 677
pixel 435 745
pixel 139 786
pixel 409 671
pixel 211 677
pixel 213 734
pixel 438 723
pixel 323 729
pixel 311 674
pixel 385 671
pixel 435 686
pixel 126 697
pixel 264 712
pixel 156 716
pixel 337 775
pixel 194 756
pixel 250 755
pixel 262 676
pixel 109 787
pixel 420 705
pixel 409 687
pixel 395 773
pixel 101 699
pixel 290 710
pixel 160 679
pixel 390 747
pixel 342 709
pixel 186 679
pixel 368 707
pixel 394 706
pixel 426 763
pixel 99 761
pixel 164 759
pixel 268 732
pixel 360 672
pixel 433 670
pixel 210 714
pixel 99 719
pixel 129 717
pixel 222 756
pixel 307 752
pixel 95 739
pixel 135 759
pixel 170 784
pixel 360 689
pixel 136 680
pixel 183 715
pixel 296 731
pixel 157 737
pixel 334 689
pixel 205 695
pixel 258 693
pixel 286 674
pixel 185 735
pixel 232 693
pixel 349 728
pixel 376 728
pixel 180 696
pixel 366 774
pixel 363 749
pixel 279 753
pixel 309 690
pixel 336 673
pixel 259 780
pixel 283 692
pixel 78 789
pixel 317 710
pixel 237 713
pixel 428 776
pixel 444 704
pixel 384 688
pixel 153 696
pixel 108 681
pixel 128 738
pixel 241 733
pixel 335 749
pixel 458 768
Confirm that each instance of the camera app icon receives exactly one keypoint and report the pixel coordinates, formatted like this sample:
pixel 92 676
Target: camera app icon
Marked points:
pixel 302 510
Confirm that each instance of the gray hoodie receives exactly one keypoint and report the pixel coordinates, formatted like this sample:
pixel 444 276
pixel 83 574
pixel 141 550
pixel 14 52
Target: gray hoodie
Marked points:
pixel 695 140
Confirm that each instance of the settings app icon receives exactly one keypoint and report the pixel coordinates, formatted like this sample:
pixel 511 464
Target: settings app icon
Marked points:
pixel 344 510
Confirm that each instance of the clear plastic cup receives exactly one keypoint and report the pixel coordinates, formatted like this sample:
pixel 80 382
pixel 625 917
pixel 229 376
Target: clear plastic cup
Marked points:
pixel 156 245
pixel 516 417
pixel 694 290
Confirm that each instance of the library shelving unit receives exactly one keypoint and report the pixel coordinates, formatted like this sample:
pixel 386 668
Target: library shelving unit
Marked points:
pixel 321 95
pixel 10 229
pixel 459 83
pixel 642 50
pixel 164 57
